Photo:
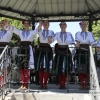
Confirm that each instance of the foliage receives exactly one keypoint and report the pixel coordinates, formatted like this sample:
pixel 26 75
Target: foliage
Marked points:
pixel 96 29
pixel 15 23
pixel 35 40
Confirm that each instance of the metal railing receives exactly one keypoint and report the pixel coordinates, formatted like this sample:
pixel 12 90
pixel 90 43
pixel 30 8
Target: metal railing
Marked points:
pixel 94 83
pixel 3 71
pixel 5 61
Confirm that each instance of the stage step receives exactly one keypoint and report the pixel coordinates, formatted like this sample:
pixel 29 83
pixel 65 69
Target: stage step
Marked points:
pixel 50 96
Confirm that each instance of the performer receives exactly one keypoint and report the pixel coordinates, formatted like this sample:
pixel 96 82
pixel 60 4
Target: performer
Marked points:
pixel 83 40
pixel 63 55
pixel 26 61
pixel 5 37
pixel 44 55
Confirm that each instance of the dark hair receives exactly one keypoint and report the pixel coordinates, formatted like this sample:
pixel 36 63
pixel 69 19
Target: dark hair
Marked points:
pixel 62 21
pixel 2 21
pixel 23 21
pixel 81 22
pixel 45 20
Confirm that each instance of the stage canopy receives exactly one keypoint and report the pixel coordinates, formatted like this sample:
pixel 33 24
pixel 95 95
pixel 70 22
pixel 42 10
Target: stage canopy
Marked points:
pixel 53 10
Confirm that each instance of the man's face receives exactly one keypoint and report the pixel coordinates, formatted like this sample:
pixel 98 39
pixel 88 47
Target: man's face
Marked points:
pixel 45 24
pixel 83 25
pixel 63 25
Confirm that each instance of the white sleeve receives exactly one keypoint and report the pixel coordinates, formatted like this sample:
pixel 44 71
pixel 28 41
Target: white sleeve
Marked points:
pixel 92 40
pixel 12 29
pixel 77 37
pixel 36 31
pixel 55 36
pixel 70 39
pixel 51 34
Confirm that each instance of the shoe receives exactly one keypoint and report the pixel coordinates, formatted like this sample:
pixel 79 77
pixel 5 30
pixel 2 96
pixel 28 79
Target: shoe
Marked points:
pixel 64 87
pixel 81 88
pixel 60 87
pixel 1 86
pixel 45 87
pixel 37 83
pixel 24 88
pixel 40 87
pixel 86 88
pixel 21 88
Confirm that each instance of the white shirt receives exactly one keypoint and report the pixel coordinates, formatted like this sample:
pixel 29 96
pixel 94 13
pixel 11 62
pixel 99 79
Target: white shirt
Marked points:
pixel 98 45
pixel 5 36
pixel 85 38
pixel 63 38
pixel 43 35
pixel 24 35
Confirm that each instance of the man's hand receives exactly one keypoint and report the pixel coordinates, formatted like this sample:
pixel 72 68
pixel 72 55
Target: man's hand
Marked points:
pixel 6 22
pixel 40 25
pixel 77 45
pixel 49 39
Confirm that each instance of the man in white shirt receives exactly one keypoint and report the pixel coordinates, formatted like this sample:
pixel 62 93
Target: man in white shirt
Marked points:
pixel 83 40
pixel 44 55
pixel 63 57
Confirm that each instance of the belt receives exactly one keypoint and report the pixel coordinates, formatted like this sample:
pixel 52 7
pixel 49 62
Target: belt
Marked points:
pixel 44 44
pixel 84 46
pixel 4 43
pixel 62 46
pixel 25 43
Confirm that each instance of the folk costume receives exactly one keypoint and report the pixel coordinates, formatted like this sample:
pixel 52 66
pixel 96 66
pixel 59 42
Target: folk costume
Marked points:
pixel 85 39
pixel 63 56
pixel 25 59
pixel 44 57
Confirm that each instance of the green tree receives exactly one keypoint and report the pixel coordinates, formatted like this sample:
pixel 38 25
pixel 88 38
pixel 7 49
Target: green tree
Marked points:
pixel 15 23
pixel 96 29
